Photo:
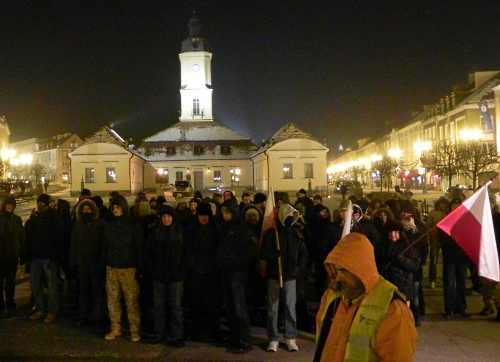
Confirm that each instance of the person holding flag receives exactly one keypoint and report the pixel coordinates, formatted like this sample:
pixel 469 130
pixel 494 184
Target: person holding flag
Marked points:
pixel 284 254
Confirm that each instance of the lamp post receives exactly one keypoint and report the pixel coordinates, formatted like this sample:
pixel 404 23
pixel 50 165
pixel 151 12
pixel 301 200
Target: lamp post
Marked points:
pixel 162 175
pixel 421 147
pixel 232 176
pixel 237 177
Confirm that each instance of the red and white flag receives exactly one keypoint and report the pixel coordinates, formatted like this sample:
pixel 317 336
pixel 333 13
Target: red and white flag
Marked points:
pixel 269 215
pixel 348 220
pixel 471 226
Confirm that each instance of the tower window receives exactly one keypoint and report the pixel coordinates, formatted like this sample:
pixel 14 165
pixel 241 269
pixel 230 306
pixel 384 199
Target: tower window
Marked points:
pixel 170 151
pixel 198 151
pixel 196 107
pixel 225 150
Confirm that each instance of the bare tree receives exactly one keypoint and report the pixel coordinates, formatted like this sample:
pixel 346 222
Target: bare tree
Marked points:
pixel 356 171
pixel 446 159
pixel 37 171
pixel 387 168
pixel 477 157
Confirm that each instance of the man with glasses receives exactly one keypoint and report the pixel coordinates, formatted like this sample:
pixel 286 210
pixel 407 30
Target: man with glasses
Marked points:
pixel 362 316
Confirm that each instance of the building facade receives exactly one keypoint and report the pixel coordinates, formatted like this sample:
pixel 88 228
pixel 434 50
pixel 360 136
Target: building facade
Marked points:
pixel 470 112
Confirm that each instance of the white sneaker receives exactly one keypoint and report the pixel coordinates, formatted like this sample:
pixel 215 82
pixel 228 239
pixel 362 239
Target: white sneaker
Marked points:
pixel 292 345
pixel 273 346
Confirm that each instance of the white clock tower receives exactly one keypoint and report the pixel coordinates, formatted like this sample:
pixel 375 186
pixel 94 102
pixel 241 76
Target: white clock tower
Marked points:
pixel 196 76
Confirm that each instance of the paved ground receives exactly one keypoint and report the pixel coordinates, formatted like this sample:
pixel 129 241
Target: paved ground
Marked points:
pixel 473 339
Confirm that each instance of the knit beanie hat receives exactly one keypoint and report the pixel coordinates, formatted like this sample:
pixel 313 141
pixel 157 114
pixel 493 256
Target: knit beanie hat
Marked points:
pixel 302 191
pixel 259 198
pixel 204 209
pixel 44 199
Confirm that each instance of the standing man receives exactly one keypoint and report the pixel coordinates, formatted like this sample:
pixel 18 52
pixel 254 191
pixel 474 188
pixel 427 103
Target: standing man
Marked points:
pixel 12 247
pixel 123 254
pixel 85 258
pixel 293 260
pixel 44 236
pixel 441 208
pixel 236 250
pixel 362 317
pixel 260 200
pixel 245 201
pixel 165 258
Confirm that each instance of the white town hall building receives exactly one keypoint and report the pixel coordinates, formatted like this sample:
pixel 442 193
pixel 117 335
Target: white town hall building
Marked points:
pixel 197 148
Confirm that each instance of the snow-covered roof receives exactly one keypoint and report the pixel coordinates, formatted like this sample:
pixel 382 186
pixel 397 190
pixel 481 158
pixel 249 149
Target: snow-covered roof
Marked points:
pixel 288 131
pixel 108 135
pixel 483 93
pixel 197 131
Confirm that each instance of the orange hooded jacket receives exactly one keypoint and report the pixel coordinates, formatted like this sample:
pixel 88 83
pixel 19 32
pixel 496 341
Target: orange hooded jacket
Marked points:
pixel 396 335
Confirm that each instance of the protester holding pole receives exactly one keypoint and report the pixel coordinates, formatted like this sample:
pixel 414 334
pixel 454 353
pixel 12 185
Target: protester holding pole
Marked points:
pixel 285 255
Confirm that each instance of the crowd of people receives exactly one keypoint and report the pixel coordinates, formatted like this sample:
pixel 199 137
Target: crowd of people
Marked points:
pixel 176 270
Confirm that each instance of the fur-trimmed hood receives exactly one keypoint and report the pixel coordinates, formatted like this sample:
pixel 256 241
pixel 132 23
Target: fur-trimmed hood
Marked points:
pixel 90 203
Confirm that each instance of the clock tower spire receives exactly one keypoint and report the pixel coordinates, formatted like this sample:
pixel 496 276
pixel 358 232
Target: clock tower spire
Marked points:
pixel 196 75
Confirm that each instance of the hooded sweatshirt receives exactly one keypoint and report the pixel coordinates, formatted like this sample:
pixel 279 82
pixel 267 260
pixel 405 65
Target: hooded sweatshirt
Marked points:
pixel 396 335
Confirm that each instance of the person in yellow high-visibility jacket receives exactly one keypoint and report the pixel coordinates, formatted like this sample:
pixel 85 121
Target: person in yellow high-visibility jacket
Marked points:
pixel 362 317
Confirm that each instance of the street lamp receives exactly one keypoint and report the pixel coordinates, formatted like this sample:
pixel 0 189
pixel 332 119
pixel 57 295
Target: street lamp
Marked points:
pixel 421 147
pixel 163 175
pixel 232 176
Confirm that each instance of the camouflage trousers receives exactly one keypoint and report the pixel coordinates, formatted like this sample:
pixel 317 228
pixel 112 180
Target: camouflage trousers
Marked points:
pixel 118 282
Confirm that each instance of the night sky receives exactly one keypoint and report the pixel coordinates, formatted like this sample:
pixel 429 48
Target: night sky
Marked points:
pixel 343 70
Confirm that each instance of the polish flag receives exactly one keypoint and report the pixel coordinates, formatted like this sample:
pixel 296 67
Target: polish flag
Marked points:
pixel 471 226
pixel 269 215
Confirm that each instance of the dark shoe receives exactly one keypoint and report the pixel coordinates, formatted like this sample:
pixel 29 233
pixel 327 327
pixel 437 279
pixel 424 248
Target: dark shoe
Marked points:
pixel 448 315
pixel 83 322
pixel 463 314
pixel 232 344
pixel 417 324
pixel 178 343
pixel 487 312
pixel 241 349
pixel 156 340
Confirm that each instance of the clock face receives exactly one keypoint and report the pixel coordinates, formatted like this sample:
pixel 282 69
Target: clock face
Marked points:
pixel 195 67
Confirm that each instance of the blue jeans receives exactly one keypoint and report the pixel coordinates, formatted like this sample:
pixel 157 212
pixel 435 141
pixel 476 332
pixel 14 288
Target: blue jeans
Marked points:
pixel 454 281
pixel 273 298
pixel 8 270
pixel 234 285
pixel 47 268
pixel 173 291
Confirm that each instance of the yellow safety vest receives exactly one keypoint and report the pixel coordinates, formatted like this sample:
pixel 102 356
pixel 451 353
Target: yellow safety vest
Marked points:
pixel 361 343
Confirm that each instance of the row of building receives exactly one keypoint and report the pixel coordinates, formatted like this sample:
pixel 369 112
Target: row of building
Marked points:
pixel 468 112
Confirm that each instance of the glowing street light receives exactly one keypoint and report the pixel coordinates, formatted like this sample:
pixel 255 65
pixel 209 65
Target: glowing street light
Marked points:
pixel 471 134
pixel 163 175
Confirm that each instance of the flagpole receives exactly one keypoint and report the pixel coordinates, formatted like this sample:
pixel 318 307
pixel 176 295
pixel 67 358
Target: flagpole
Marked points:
pixel 280 270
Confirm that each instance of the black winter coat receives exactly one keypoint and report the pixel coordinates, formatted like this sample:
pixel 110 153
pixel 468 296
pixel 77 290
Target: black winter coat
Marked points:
pixel 236 246
pixel 124 240
pixel 202 243
pixel 45 235
pixel 164 254
pixel 87 243
pixel 12 237
pixel 293 252
pixel 397 268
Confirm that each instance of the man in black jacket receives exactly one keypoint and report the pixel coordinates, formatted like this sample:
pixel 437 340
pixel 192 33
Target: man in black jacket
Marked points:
pixel 291 257
pixel 85 258
pixel 12 247
pixel 165 257
pixel 236 250
pixel 44 236
pixel 123 254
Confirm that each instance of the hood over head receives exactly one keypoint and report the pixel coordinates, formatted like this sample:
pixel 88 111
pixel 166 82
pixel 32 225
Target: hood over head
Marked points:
pixel 8 200
pixel 123 203
pixel 89 203
pixel 284 211
pixel 355 253
pixel 142 209
pixel 233 207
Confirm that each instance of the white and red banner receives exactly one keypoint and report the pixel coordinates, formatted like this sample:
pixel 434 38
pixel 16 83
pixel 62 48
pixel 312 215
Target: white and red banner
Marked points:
pixel 471 226
pixel 269 215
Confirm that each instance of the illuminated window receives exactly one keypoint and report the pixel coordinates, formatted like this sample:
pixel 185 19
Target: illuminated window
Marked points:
pixel 89 175
pixel 170 151
pixel 217 176
pixel 308 170
pixel 110 175
pixel 196 106
pixel 287 170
